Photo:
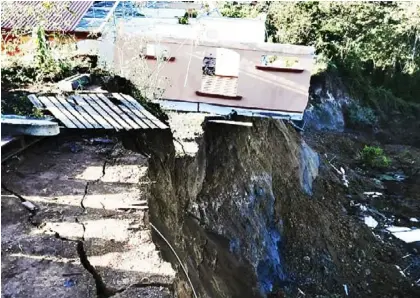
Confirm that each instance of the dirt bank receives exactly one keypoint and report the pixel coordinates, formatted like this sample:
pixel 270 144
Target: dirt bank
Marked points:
pixel 238 217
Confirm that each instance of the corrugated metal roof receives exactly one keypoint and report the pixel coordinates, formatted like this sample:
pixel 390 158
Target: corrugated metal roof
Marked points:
pixel 97 14
pixel 56 15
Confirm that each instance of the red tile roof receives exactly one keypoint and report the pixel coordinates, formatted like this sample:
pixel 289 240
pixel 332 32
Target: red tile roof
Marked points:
pixel 56 15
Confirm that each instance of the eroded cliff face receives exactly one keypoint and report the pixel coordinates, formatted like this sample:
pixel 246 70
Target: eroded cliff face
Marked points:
pixel 247 218
pixel 222 207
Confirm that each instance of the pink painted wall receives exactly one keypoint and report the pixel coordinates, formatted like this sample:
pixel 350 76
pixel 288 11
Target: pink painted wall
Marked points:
pixel 277 91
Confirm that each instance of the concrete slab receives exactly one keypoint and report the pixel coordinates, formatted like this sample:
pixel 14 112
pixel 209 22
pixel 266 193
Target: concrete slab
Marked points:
pixel 17 127
pixel 78 205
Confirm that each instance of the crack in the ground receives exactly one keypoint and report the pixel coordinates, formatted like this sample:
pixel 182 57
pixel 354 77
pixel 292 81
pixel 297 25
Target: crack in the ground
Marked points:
pixel 84 196
pixel 89 183
pixel 83 227
pixel 152 284
pixel 31 207
pixel 102 291
pixel 103 168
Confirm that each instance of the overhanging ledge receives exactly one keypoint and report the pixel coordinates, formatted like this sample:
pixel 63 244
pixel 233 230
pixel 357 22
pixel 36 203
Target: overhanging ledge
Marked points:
pixel 185 106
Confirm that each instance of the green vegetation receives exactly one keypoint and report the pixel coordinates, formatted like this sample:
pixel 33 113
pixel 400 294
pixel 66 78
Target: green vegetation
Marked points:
pixel 184 19
pixel 361 116
pixel 48 64
pixel 39 61
pixel 372 47
pixel 45 57
pixel 235 10
pixel 48 67
pixel 374 157
pixel 17 103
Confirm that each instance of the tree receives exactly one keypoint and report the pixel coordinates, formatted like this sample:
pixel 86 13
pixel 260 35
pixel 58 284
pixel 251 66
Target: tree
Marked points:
pixel 376 42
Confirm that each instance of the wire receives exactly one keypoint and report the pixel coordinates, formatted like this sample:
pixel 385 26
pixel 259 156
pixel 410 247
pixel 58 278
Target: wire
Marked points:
pixel 179 260
pixel 189 63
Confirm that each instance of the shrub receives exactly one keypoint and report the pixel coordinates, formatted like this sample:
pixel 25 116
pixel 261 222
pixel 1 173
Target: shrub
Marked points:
pixel 39 60
pixel 359 115
pixel 17 103
pixel 184 19
pixel 374 157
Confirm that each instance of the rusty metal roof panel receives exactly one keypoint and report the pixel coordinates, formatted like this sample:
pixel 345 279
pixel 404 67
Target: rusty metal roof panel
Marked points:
pixel 56 15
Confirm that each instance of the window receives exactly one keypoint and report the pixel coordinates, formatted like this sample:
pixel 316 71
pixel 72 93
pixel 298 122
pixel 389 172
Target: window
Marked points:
pixel 220 75
pixel 157 52
pixel 227 63
pixel 278 63
pixel 209 65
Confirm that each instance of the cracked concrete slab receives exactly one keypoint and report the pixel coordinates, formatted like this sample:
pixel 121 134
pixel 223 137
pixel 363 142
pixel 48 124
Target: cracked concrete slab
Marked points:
pixel 34 265
pixel 113 224
pixel 40 278
pixel 108 229
pixel 114 173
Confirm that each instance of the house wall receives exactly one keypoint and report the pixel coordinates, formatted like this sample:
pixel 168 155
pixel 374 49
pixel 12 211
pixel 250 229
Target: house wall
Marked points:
pixel 207 28
pixel 231 29
pixel 275 91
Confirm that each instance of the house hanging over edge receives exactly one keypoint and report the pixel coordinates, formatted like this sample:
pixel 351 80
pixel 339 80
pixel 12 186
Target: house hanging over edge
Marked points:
pixel 209 72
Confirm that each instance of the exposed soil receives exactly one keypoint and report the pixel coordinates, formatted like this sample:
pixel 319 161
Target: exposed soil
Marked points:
pixel 229 200
pixel 316 245
pixel 398 204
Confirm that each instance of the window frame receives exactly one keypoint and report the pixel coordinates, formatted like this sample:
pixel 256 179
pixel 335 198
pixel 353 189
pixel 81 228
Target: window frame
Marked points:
pixel 202 93
pixel 274 68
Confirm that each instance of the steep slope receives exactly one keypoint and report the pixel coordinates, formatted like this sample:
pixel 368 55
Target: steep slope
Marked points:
pixel 240 215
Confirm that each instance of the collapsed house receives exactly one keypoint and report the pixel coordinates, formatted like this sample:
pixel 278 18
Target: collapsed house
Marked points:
pixel 206 67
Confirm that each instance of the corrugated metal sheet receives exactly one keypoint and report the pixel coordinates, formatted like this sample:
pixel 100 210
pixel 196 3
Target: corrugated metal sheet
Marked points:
pixel 100 10
pixel 56 15
pixel 99 111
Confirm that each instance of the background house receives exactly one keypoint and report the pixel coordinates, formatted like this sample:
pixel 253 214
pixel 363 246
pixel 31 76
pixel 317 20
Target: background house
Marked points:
pixel 59 19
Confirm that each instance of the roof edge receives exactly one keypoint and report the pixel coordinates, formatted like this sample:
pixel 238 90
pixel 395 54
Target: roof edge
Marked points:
pixel 260 47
